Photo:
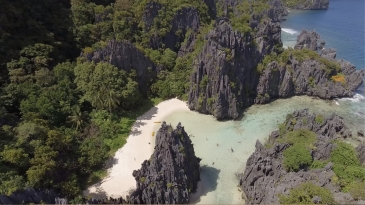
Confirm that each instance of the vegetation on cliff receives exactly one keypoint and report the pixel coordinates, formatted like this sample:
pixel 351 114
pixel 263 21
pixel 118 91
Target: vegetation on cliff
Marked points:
pixel 304 146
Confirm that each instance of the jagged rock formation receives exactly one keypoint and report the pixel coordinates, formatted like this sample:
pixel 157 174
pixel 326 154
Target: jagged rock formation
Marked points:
pixel 277 11
pixel 307 39
pixel 126 56
pixel 361 153
pixel 265 177
pixel 30 196
pixel 172 171
pixel 186 18
pixel 307 78
pixel 329 54
pixel 149 14
pixel 225 69
pixel 310 4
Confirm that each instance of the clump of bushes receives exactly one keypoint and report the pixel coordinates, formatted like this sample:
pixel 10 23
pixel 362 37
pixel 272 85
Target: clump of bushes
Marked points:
pixel 296 157
pixel 304 193
pixel 318 164
pixel 346 165
pixel 356 189
pixel 319 119
pixel 300 136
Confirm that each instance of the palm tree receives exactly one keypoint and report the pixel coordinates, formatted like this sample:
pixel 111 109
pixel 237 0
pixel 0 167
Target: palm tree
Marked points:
pixel 111 98
pixel 97 100
pixel 77 118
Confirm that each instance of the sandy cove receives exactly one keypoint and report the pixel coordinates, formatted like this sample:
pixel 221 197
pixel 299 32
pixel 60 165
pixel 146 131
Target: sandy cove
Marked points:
pixel 137 149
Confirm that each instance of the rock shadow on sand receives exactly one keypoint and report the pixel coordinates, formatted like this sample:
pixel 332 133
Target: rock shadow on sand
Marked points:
pixel 208 182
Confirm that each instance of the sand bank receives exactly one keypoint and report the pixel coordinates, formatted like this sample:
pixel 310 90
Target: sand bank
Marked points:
pixel 139 147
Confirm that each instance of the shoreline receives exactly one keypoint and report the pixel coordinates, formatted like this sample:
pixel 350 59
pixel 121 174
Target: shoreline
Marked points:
pixel 139 147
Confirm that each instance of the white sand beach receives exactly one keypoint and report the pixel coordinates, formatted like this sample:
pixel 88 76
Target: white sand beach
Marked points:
pixel 139 147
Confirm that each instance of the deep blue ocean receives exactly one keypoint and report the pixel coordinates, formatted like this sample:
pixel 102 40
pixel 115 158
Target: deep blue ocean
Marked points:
pixel 342 27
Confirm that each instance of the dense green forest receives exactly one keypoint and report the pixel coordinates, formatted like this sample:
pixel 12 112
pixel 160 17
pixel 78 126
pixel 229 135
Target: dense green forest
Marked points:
pixel 62 117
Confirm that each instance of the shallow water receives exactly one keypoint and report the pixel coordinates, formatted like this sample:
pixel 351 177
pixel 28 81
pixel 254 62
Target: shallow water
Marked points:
pixel 219 183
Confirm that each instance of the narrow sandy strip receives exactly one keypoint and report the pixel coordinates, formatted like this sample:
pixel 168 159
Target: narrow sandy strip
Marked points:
pixel 135 151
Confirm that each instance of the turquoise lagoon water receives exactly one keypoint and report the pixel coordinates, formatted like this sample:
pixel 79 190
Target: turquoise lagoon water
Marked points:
pixel 342 27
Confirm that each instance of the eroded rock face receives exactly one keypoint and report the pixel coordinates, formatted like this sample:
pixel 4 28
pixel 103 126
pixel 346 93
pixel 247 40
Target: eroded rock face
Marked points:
pixel 31 196
pixel 361 152
pixel 172 171
pixel 265 177
pixel 126 56
pixel 186 18
pixel 329 54
pixel 307 39
pixel 149 14
pixel 277 11
pixel 225 74
pixel 307 78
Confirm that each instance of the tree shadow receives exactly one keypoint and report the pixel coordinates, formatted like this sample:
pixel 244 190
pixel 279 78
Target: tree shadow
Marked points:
pixel 138 124
pixel 98 194
pixel 135 132
pixel 149 114
pixel 110 162
pixel 208 182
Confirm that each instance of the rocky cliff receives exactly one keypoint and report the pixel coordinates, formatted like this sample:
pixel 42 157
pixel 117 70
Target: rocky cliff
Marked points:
pixel 277 11
pixel 224 73
pixel 126 56
pixel 225 78
pixel 184 19
pixel 171 173
pixel 308 4
pixel 265 176
pixel 307 39
pixel 32 196
pixel 308 77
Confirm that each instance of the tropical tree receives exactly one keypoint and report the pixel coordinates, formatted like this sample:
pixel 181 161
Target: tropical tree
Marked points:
pixel 105 86
pixel 77 118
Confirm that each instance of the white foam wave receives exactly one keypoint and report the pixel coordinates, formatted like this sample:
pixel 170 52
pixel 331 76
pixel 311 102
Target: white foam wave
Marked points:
pixel 290 31
pixel 357 98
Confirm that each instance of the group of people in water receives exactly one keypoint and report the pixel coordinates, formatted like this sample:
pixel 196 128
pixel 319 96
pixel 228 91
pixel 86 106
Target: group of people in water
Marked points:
pixel 206 138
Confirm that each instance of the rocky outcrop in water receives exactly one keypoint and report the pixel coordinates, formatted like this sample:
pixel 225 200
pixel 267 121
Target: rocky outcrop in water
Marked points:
pixel 126 56
pixel 307 78
pixel 309 4
pixel 265 177
pixel 307 39
pixel 224 73
pixel 171 173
